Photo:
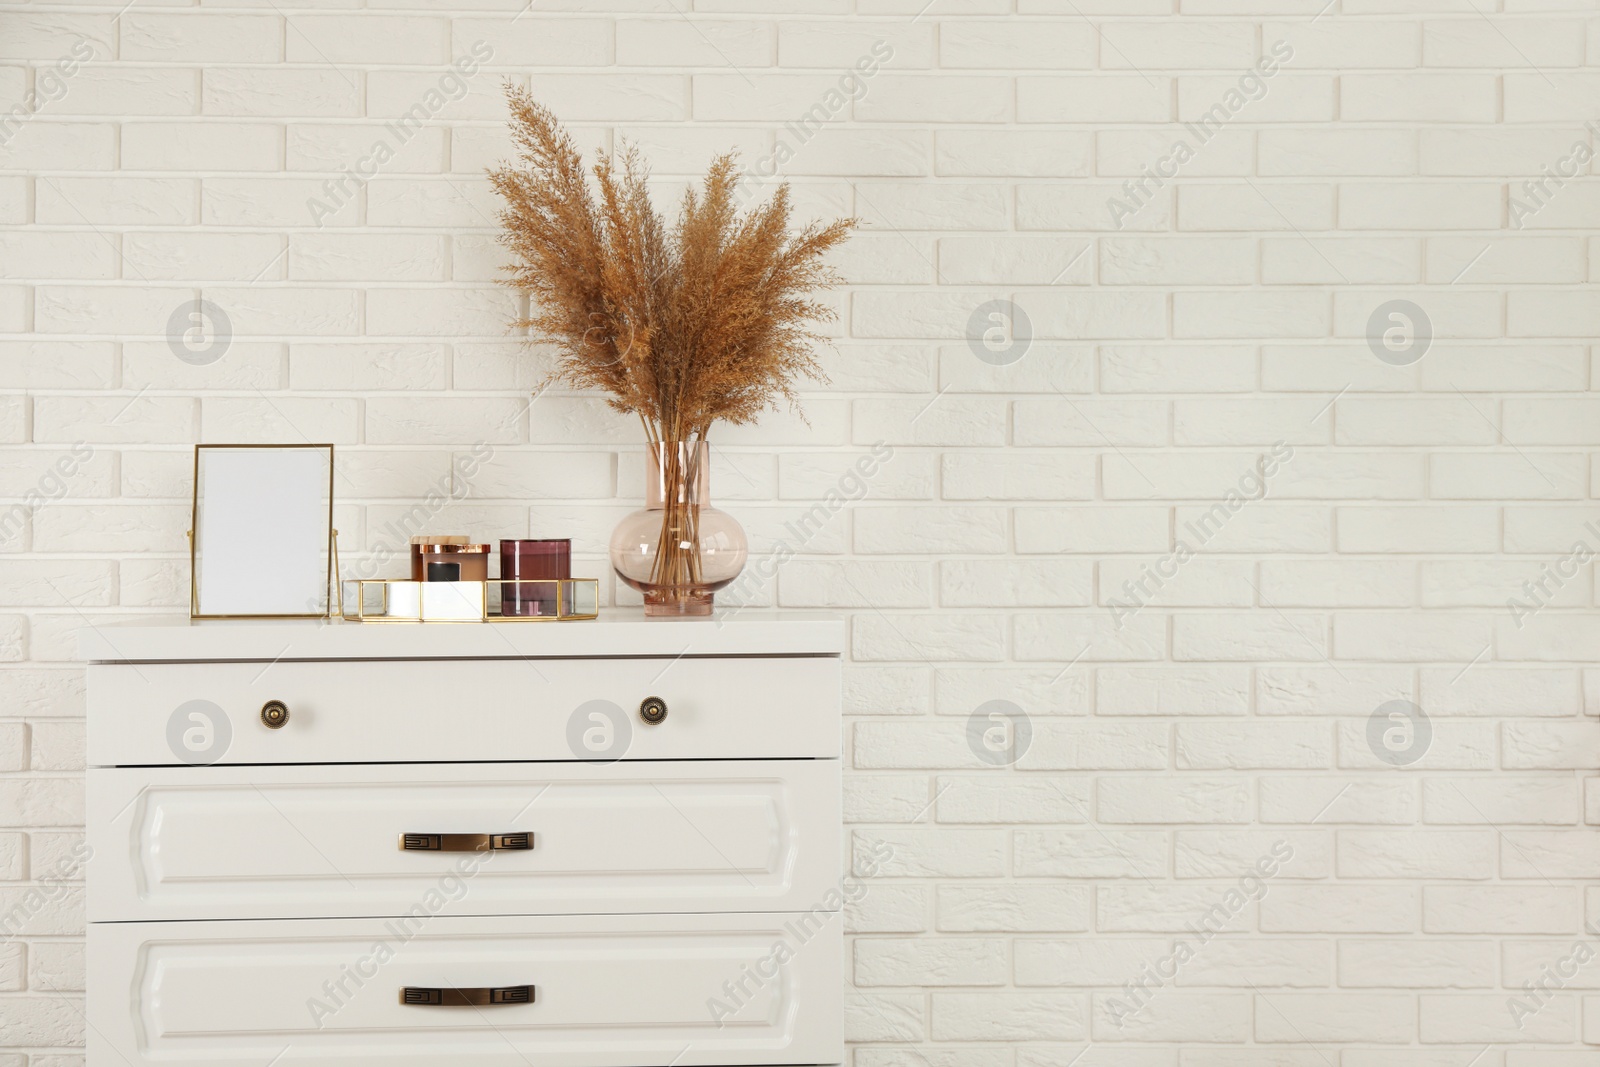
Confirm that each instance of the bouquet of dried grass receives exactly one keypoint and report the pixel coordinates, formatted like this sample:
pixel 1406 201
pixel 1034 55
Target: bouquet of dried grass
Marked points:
pixel 708 318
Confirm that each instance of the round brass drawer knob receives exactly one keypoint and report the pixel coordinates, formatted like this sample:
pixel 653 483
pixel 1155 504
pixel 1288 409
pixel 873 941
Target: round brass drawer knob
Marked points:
pixel 653 710
pixel 274 713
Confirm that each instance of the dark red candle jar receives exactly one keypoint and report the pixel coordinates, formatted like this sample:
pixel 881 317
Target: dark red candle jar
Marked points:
pixel 527 569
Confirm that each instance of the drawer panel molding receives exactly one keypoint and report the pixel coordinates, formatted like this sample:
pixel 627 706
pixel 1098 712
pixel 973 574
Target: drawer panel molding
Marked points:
pixel 317 841
pixel 602 991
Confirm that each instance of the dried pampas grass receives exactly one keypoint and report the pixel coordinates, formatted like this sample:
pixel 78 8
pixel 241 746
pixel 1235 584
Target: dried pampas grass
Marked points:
pixel 711 318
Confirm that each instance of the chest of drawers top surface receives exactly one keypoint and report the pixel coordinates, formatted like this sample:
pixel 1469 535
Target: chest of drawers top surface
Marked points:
pixel 615 633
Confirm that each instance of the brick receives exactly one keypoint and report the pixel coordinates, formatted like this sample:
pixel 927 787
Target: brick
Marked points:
pixel 1104 98
pixel 945 97
pixel 1014 259
pixel 1020 153
pixel 1325 150
pixel 1477 802
pixel 1094 853
pixel 1128 152
pixel 1550 745
pixel 1259 962
pixel 1086 206
pixel 1084 962
pixel 1071 746
pixel 1332 44
pixel 1337 583
pixel 1532 853
pixel 1373 637
pixel 1220 208
pixel 1484 1017
pixel 958 690
pixel 935 853
pixel 1416 854
pixel 1182 1017
pixel 1435 528
pixel 1015 583
pixel 1234 853
pixel 1417 98
pixel 1500 910
pixel 198 38
pixel 1194 690
pixel 1012 800
pixel 884 961
pixel 887 909
pixel 1175 909
pixel 891 1017
pixel 1341 909
pixel 1180 799
pixel 1012 909
pixel 1008 1017
pixel 1160 369
pixel 1416 964
pixel 1348 260
pixel 1017 45
pixel 1338 800
pixel 1202 746
pixel 1334 1018
pixel 1249 637
pixel 842 44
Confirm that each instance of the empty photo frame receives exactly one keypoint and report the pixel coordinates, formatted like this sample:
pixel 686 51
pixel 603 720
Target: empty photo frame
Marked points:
pixel 261 544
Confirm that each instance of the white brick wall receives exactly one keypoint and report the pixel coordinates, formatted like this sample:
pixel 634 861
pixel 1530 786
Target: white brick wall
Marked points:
pixel 1196 681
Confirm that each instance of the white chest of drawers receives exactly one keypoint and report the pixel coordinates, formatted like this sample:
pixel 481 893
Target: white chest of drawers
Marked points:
pixel 467 845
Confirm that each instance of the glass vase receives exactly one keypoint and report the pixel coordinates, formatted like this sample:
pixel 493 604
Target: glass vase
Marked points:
pixel 679 550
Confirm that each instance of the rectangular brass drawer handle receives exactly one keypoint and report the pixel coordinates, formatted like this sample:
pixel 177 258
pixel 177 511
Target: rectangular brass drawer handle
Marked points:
pixel 521 842
pixel 469 997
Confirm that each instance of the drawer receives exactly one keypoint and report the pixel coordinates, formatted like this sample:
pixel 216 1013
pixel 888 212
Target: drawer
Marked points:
pixel 321 841
pixel 376 711
pixel 608 991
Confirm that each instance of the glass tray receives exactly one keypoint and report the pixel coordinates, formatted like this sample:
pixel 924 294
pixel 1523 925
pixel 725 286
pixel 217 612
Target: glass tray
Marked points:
pixel 404 600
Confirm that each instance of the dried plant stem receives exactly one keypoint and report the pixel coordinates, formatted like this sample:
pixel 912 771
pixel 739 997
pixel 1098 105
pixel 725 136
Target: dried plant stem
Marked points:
pixel 677 561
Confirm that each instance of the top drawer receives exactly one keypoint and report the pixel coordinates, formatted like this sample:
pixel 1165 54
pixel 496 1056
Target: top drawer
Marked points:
pixel 377 711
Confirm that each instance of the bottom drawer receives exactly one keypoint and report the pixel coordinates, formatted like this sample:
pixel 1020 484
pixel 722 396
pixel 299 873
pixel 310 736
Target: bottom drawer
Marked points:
pixel 608 991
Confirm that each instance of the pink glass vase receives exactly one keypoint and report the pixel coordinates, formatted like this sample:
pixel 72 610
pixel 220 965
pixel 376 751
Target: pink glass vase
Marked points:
pixel 679 550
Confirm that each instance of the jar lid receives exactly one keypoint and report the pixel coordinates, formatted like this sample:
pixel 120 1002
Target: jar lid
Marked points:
pixel 449 549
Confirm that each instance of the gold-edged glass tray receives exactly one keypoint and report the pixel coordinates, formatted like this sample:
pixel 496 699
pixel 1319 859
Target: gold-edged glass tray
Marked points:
pixel 404 600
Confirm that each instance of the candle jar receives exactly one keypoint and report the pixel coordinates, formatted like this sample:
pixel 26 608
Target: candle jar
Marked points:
pixel 473 559
pixel 529 570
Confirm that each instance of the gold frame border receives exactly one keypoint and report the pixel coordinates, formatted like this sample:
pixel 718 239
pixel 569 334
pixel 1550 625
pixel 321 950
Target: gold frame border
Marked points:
pixel 194 526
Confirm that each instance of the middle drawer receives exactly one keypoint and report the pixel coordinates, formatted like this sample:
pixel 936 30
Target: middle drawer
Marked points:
pixel 327 841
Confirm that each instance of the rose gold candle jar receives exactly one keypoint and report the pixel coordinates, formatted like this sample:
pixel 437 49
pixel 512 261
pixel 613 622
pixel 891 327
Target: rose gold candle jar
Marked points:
pixel 449 548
